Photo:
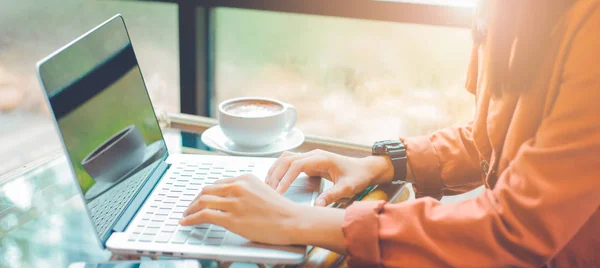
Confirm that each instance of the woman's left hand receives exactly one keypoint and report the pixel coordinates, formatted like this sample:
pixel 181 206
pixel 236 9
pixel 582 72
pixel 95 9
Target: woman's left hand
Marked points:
pixel 246 206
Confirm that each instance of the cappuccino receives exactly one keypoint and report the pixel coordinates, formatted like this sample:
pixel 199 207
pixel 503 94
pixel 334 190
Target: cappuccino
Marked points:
pixel 253 108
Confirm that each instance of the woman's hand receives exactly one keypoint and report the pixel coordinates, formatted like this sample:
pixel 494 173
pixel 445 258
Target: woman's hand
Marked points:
pixel 246 206
pixel 349 175
pixel 250 208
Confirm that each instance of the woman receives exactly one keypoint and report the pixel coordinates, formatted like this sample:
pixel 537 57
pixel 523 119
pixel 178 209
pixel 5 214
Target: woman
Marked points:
pixel 534 143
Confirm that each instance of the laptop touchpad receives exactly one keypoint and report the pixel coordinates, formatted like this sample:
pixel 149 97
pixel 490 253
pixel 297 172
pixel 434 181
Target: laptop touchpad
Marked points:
pixel 301 191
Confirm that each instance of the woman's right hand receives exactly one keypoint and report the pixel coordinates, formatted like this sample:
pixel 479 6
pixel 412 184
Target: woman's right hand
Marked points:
pixel 349 175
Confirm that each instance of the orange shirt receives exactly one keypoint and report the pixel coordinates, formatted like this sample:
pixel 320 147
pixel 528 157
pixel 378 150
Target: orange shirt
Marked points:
pixel 537 153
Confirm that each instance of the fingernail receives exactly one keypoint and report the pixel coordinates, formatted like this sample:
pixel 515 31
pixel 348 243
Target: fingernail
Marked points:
pixel 320 202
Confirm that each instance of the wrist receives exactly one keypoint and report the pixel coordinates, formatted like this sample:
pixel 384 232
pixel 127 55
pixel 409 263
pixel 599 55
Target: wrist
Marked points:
pixel 318 226
pixel 381 168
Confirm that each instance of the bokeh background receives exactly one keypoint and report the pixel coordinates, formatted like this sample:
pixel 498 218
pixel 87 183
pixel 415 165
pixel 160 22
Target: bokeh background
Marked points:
pixel 351 79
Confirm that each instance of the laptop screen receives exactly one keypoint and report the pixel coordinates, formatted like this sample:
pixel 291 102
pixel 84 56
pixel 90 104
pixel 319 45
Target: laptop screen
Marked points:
pixel 100 103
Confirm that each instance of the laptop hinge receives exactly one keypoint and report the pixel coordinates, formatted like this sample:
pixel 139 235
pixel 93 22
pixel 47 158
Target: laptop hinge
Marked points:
pixel 140 198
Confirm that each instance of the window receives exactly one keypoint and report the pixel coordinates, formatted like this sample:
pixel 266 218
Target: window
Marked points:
pixel 30 30
pixel 351 79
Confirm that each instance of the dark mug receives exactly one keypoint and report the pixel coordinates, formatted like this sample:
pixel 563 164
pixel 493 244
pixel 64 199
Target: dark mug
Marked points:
pixel 117 156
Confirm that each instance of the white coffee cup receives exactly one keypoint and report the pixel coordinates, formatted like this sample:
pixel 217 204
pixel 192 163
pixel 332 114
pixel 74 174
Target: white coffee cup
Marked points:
pixel 254 121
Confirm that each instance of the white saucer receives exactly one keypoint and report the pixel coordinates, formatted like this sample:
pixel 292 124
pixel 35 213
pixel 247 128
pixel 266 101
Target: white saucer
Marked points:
pixel 215 139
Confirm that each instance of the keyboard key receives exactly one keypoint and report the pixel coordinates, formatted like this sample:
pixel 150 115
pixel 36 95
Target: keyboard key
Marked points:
pixel 146 238
pixel 147 216
pixel 137 230
pixel 180 237
pixel 172 222
pixel 179 209
pixel 159 218
pixel 184 203
pixel 196 238
pixel 176 215
pixel 154 224
pixel 188 198
pixel 150 231
pixel 200 232
pixel 170 200
pixel 168 228
pixel 193 187
pixel 167 206
pixel 163 237
pixel 174 194
pixel 143 223
pixel 191 191
pixel 133 237
pixel 163 192
pixel 163 211
pixel 213 234
pixel 213 241
pixel 186 228
pixel 202 226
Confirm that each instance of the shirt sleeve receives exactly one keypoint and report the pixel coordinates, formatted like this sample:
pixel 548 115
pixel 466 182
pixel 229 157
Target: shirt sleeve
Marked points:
pixel 542 199
pixel 445 162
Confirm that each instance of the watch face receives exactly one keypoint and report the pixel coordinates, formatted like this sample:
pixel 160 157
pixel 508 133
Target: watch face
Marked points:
pixel 379 148
pixel 383 147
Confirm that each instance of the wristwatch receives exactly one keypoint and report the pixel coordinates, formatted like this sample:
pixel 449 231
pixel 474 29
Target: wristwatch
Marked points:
pixel 397 153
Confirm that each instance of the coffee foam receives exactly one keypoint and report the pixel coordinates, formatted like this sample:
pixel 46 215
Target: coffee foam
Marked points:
pixel 253 108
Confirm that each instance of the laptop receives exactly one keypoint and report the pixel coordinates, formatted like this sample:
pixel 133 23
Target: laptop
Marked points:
pixel 135 191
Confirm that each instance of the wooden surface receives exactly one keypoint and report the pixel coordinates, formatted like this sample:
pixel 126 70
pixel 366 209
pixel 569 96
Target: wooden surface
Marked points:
pixel 198 124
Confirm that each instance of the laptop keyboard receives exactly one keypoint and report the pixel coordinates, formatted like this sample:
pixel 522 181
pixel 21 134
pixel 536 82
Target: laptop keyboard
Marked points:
pixel 159 222
pixel 107 207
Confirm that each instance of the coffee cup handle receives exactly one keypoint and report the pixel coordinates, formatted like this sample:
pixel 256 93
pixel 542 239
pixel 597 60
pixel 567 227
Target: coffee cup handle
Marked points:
pixel 291 115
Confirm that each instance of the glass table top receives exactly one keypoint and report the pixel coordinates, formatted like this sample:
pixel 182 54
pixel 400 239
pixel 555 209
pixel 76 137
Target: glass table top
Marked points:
pixel 43 220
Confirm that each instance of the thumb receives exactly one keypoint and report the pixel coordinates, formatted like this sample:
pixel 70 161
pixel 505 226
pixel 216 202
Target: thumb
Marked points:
pixel 331 195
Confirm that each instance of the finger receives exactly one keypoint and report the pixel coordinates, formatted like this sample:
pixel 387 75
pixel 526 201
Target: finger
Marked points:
pixel 216 188
pixel 335 193
pixel 293 171
pixel 211 216
pixel 227 180
pixel 211 202
pixel 276 163
pixel 222 190
pixel 282 167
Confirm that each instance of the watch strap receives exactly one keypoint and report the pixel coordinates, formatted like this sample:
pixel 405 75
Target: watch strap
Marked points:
pixel 396 151
pixel 399 161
